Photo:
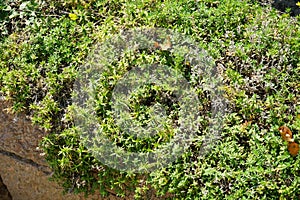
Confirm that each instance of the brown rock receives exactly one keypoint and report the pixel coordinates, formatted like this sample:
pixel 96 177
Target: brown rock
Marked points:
pixel 19 136
pixel 4 193
pixel 24 172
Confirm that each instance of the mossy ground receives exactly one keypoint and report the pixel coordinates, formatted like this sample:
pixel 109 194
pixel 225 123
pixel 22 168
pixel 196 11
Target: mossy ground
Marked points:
pixel 44 44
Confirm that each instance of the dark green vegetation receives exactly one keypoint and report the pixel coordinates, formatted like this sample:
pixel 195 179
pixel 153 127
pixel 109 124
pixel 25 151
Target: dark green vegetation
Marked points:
pixel 44 43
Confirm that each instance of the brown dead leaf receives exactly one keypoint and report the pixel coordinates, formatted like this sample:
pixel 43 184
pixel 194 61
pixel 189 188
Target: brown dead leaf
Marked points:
pixel 286 134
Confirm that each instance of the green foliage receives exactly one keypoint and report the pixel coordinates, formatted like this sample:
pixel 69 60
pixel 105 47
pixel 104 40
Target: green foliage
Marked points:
pixel 43 44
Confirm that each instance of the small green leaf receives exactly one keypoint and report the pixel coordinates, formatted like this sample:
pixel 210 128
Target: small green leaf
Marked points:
pixel 73 16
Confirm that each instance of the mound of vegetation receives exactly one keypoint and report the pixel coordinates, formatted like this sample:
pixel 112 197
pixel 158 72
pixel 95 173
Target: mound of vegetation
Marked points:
pixel 44 44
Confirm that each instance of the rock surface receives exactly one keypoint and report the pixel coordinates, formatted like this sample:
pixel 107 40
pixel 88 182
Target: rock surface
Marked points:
pixel 24 172
pixel 4 193
pixel 283 5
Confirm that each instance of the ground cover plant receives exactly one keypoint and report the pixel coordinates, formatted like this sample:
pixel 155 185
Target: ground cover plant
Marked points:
pixel 43 44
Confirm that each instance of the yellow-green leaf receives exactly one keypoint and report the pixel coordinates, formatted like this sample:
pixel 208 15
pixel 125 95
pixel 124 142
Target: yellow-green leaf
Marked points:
pixel 73 16
pixel 298 3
